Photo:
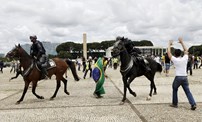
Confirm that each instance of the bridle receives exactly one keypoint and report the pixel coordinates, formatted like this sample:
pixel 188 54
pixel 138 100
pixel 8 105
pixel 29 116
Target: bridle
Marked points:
pixel 118 47
pixel 121 48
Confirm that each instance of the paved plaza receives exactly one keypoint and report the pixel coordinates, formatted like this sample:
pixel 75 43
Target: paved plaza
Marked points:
pixel 82 106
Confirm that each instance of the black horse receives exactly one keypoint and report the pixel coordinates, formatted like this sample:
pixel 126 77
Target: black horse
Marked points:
pixel 131 67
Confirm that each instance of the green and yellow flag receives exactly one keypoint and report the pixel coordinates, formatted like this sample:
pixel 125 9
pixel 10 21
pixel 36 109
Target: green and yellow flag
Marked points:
pixel 98 76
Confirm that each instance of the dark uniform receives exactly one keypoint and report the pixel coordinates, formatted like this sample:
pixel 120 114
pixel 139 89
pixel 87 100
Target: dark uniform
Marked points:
pixel 38 52
pixel 137 53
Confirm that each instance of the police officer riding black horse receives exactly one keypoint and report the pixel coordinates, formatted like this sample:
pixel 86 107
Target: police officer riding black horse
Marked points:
pixel 135 52
pixel 38 52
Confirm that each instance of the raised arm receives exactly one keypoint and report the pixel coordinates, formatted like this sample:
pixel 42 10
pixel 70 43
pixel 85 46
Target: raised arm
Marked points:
pixel 169 50
pixel 183 46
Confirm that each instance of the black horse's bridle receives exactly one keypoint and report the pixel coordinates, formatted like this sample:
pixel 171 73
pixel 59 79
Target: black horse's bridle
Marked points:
pixel 121 48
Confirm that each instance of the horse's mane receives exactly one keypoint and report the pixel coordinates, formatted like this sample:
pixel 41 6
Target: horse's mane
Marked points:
pixel 24 52
pixel 127 43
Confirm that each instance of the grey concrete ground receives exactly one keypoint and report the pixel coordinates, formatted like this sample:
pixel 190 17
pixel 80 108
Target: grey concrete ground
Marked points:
pixel 81 106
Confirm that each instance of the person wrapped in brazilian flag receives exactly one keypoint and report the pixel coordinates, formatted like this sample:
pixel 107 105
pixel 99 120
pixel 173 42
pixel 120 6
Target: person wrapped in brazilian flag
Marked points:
pixel 99 78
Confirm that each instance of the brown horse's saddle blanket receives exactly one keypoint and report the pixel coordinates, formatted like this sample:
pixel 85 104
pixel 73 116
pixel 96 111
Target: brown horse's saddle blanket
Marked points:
pixel 51 64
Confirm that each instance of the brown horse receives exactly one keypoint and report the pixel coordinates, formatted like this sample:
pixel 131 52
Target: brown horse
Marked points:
pixel 34 75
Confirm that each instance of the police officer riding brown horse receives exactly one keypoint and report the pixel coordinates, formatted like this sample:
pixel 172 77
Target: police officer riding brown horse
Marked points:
pixel 31 72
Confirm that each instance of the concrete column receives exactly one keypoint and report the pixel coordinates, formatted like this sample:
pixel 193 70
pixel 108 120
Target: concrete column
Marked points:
pixel 84 45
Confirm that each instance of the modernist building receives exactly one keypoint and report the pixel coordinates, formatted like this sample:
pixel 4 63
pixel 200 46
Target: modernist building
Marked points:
pixel 145 50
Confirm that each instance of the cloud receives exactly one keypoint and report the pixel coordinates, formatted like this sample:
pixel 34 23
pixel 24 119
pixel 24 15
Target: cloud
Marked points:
pixel 67 20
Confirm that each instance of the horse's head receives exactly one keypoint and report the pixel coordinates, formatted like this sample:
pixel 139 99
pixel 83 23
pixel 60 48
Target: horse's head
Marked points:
pixel 119 46
pixel 15 52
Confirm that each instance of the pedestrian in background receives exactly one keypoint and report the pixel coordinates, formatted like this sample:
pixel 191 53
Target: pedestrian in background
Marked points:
pixel 88 67
pixel 189 64
pixel 195 62
pixel 12 66
pixel 84 63
pixel 1 66
pixel 167 64
pixel 201 62
pixel 79 63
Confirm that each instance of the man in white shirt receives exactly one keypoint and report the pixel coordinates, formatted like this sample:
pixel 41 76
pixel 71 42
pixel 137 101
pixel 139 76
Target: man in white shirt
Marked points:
pixel 180 64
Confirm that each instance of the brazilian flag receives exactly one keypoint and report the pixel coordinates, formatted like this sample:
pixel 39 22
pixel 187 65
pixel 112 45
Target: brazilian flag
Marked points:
pixel 98 77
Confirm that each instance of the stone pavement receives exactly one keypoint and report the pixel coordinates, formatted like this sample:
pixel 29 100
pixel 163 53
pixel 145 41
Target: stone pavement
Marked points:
pixel 81 106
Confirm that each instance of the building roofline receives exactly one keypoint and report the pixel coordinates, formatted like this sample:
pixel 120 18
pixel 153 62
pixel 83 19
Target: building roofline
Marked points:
pixel 148 47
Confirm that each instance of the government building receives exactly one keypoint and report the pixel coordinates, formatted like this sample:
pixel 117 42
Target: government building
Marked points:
pixel 145 50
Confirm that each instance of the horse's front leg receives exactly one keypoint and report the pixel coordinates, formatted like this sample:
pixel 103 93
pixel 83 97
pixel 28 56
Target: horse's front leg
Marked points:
pixel 128 86
pixel 24 92
pixel 124 90
pixel 34 84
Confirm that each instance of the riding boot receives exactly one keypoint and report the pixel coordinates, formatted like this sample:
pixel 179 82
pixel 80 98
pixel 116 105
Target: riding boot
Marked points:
pixel 145 66
pixel 44 72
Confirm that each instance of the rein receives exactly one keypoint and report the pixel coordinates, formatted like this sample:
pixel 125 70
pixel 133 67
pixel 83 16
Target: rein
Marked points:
pixel 27 71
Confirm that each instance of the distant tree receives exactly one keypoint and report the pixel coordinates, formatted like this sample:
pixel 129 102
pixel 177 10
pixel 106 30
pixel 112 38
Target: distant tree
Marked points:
pixel 64 54
pixel 196 50
pixel 107 44
pixel 67 46
pixel 51 56
pixel 77 47
pixel 93 45
pixel 146 43
pixel 4 59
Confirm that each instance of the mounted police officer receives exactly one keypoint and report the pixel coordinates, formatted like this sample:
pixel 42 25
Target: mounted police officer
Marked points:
pixel 132 50
pixel 38 52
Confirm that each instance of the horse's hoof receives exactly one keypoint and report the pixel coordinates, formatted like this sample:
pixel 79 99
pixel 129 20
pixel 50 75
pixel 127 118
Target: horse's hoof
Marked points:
pixel 134 94
pixel 67 93
pixel 121 103
pixel 18 102
pixel 41 97
pixel 148 98
pixel 51 98
pixel 155 93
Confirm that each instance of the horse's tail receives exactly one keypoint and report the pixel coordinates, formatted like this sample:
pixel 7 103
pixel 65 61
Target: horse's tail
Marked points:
pixel 159 67
pixel 73 69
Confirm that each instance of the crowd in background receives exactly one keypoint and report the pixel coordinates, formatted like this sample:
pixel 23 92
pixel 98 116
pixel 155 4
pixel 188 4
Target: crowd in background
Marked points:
pixel 194 62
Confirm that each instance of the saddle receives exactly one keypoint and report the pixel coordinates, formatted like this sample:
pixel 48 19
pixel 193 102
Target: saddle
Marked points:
pixel 139 59
pixel 50 64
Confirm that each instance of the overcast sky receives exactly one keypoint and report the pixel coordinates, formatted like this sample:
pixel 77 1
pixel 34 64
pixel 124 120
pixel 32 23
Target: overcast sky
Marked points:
pixel 66 20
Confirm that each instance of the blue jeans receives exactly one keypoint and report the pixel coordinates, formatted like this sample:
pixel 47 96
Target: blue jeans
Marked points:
pixel 183 81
